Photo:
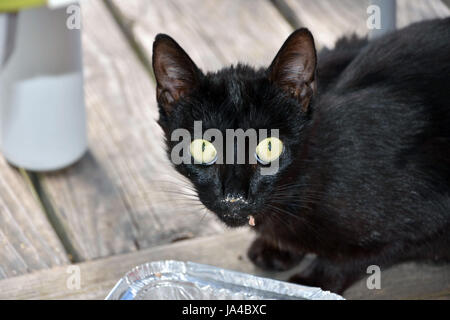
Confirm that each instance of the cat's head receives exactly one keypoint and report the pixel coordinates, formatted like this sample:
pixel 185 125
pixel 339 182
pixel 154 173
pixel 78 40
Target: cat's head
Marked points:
pixel 239 97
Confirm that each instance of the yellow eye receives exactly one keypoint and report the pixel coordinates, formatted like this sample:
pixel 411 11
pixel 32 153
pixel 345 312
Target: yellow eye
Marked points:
pixel 203 151
pixel 269 150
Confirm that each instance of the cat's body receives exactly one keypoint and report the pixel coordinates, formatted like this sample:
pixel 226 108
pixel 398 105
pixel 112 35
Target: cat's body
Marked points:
pixel 376 165
pixel 365 178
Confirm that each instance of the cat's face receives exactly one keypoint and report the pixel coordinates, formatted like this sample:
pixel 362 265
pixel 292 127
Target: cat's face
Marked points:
pixel 255 101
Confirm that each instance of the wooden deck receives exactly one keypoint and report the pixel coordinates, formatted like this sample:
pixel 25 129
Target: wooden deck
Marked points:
pixel 121 205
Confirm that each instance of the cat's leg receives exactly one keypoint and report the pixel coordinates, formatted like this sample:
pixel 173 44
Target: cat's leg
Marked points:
pixel 331 276
pixel 338 276
pixel 268 257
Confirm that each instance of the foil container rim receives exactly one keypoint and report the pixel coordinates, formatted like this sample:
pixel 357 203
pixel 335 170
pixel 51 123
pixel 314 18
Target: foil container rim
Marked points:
pixel 141 275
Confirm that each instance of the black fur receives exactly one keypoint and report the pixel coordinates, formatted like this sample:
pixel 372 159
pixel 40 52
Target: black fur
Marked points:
pixel 365 175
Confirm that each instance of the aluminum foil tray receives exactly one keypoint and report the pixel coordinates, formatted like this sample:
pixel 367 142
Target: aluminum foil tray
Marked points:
pixel 175 280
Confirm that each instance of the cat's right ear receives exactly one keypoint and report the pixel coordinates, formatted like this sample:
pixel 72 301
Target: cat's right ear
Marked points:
pixel 294 67
pixel 176 74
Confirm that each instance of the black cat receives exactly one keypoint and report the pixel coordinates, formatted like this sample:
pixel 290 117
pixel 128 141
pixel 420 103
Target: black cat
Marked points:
pixel 364 173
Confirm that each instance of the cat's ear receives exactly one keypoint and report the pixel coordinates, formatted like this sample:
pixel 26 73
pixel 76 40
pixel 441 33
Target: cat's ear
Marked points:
pixel 294 67
pixel 176 74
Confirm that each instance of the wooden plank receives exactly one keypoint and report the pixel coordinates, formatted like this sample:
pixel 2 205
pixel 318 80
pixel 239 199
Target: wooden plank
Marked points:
pixel 27 241
pixel 407 281
pixel 99 277
pixel 328 20
pixel 447 3
pixel 413 11
pixel 117 199
pixel 214 33
pixel 227 250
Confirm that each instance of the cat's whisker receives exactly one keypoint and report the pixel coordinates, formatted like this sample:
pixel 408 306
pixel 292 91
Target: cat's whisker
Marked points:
pixel 178 198
pixel 188 195
pixel 283 211
pixel 304 222
pixel 204 215
pixel 279 219
pixel 302 202
pixel 178 183
pixel 296 187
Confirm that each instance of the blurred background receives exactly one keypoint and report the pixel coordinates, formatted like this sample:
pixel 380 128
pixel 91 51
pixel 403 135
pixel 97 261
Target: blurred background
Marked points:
pixel 113 200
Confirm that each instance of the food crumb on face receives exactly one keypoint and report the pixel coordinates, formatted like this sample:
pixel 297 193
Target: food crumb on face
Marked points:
pixel 251 220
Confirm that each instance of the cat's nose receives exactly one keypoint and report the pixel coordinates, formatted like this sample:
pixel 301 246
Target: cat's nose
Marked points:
pixel 235 185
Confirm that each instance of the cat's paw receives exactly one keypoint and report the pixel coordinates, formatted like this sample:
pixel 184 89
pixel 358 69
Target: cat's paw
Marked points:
pixel 323 275
pixel 334 285
pixel 269 258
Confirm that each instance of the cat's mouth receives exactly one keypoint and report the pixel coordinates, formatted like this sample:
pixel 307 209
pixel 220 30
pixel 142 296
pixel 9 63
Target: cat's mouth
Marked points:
pixel 251 221
pixel 237 220
pixel 233 220
pixel 234 210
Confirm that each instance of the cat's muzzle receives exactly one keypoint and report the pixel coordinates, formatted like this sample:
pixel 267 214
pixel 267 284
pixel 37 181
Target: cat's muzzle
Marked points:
pixel 235 210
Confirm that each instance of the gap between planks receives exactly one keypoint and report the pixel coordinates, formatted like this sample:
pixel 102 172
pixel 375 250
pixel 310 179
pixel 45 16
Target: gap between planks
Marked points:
pixel 328 20
pixel 33 181
pixel 27 240
pixel 126 26
pixel 228 251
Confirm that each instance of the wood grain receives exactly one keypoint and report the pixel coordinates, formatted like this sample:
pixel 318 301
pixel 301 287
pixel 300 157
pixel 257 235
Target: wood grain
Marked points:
pixel 413 11
pixel 447 3
pixel 227 250
pixel 27 241
pixel 328 20
pixel 99 277
pixel 407 281
pixel 214 33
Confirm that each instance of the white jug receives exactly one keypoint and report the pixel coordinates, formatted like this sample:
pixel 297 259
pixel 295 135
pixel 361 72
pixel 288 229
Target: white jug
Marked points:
pixel 42 111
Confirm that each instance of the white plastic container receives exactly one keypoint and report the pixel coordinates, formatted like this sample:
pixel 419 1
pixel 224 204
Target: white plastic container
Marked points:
pixel 42 111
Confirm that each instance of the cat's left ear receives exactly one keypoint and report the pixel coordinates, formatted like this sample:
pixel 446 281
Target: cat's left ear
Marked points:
pixel 176 74
pixel 294 67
